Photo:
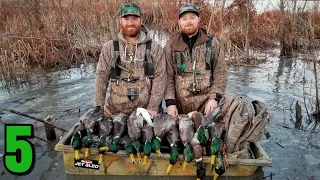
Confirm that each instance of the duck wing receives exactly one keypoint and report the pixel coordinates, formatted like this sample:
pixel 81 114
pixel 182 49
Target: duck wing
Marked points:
pixel 135 124
pixel 106 126
pixel 120 125
pixel 186 129
pixel 173 135
pixel 162 124
pixel 147 133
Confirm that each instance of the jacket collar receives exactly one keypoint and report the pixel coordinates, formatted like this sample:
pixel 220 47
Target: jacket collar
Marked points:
pixel 178 43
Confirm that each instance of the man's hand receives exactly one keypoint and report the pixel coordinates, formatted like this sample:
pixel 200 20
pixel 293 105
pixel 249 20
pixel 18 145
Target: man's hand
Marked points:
pixel 211 105
pixel 173 111
pixel 152 113
pixel 106 110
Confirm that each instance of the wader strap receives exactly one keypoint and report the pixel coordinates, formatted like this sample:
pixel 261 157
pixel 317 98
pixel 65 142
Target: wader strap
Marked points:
pixel 209 53
pixel 148 65
pixel 115 71
pixel 179 61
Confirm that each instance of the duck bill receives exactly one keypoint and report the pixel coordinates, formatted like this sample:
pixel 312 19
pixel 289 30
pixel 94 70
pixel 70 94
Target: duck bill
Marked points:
pixel 215 177
pixel 145 159
pixel 100 159
pixel 158 153
pixel 77 154
pixel 139 157
pixel 184 165
pixel 204 151
pixel 213 158
pixel 104 148
pixel 169 168
pixel 132 158
pixel 87 153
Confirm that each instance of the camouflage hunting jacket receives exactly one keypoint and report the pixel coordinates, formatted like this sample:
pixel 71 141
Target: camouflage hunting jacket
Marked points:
pixel 132 56
pixel 211 83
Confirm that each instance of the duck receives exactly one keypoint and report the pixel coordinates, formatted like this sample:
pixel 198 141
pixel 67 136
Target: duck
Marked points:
pixel 162 125
pixel 172 138
pixel 216 130
pixel 105 130
pixel 186 131
pixel 90 121
pixel 119 129
pixel 200 123
pixel 146 136
pixel 78 132
pixel 198 151
pixel 135 125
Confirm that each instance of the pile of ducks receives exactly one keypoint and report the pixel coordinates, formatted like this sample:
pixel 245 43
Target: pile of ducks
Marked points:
pixel 193 134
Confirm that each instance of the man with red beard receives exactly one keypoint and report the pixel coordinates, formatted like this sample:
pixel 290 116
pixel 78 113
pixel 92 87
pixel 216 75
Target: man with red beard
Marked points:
pixel 135 66
pixel 197 72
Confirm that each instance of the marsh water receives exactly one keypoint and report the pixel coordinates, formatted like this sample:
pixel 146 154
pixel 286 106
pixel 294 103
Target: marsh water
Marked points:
pixel 280 83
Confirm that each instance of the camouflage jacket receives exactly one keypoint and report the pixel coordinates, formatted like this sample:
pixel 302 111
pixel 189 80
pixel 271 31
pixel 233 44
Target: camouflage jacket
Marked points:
pixel 212 84
pixel 150 94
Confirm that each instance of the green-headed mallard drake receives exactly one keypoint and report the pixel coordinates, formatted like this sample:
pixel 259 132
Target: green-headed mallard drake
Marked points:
pixel 200 123
pixel 162 125
pixel 172 138
pixel 90 121
pixel 146 136
pixel 215 130
pixel 135 124
pixel 119 129
pixel 79 131
pixel 186 131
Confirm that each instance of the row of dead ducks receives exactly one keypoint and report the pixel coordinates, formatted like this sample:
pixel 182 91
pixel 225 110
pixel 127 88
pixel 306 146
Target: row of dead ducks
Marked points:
pixel 139 134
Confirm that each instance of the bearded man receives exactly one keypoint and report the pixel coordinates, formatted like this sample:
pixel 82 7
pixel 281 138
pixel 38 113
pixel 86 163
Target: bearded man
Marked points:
pixel 135 66
pixel 197 72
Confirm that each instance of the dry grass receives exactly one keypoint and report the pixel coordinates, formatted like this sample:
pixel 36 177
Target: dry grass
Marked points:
pixel 60 33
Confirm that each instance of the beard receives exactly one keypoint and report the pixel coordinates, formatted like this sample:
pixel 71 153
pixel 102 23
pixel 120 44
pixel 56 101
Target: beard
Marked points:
pixel 131 31
pixel 189 30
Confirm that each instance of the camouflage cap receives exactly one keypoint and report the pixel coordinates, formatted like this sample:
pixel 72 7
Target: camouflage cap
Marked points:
pixel 130 9
pixel 188 8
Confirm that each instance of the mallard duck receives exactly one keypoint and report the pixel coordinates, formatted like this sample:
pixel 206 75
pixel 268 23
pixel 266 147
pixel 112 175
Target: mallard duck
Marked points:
pixel 135 124
pixel 105 130
pixel 200 122
pixel 90 120
pixel 119 129
pixel 186 131
pixel 162 125
pixel 172 138
pixel 79 131
pixel 146 136
pixel 216 131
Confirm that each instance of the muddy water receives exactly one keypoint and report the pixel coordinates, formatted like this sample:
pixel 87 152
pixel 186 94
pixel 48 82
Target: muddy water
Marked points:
pixel 279 83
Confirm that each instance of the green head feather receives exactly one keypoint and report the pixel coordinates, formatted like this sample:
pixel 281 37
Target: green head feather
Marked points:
pixel 187 153
pixel 202 136
pixel 147 148
pixel 174 155
pixel 156 144
pixel 136 144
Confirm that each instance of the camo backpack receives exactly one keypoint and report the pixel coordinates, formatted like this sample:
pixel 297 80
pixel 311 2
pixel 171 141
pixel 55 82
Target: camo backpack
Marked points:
pixel 245 122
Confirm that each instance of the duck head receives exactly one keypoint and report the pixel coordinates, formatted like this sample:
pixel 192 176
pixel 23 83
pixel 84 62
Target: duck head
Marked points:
pixel 156 145
pixel 201 170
